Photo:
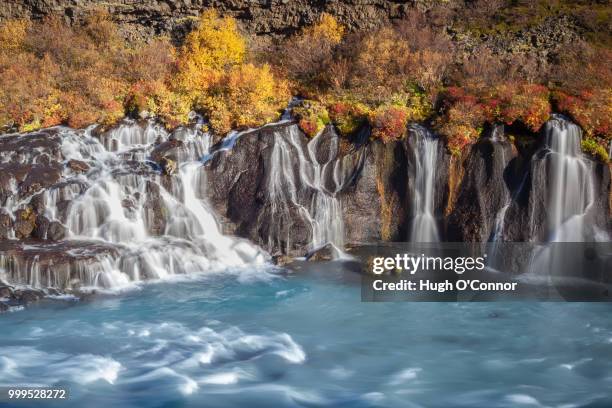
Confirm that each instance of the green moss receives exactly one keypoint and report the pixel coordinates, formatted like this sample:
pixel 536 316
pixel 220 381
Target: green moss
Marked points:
pixel 591 147
pixel 30 127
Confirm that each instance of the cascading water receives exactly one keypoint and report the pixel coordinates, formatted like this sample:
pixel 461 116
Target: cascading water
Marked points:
pixel 425 144
pixel 294 163
pixel 569 196
pixel 571 190
pixel 500 154
pixel 156 225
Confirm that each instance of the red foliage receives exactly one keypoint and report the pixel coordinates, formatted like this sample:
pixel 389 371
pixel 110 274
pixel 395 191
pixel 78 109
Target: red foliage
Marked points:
pixel 389 123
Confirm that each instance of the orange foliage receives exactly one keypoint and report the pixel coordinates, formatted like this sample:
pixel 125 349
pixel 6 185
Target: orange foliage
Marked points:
pixel 389 122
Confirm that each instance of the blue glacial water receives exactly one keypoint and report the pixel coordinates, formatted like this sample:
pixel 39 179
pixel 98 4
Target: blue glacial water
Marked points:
pixel 254 339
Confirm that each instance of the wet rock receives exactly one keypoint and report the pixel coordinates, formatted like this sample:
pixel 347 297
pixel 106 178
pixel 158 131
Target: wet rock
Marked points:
pixel 240 179
pixel 3 308
pixel 282 260
pixel 53 292
pixel 42 227
pixel 30 147
pixel 484 191
pixel 236 181
pixel 327 146
pixel 6 292
pixel 155 211
pixel 25 222
pixel 40 177
pixel 287 231
pixel 62 264
pixel 57 231
pixel 78 166
pixel 168 149
pixel 26 296
pixel 6 224
pixel 374 205
pixel 324 253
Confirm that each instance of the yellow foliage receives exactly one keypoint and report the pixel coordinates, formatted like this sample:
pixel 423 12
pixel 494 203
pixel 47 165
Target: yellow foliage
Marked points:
pixel 382 54
pixel 215 44
pixel 327 27
pixel 12 34
pixel 214 77
pixel 245 96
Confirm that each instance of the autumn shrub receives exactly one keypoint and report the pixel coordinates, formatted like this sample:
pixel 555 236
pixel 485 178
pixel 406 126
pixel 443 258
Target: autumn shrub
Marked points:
pixel 348 116
pixel 28 98
pixel 463 119
pixel 591 109
pixel 12 35
pixel 312 117
pixel 52 74
pixel 467 109
pixel 214 76
pixel 307 56
pixel 392 62
pixel 246 96
pixel 389 122
pixel 525 103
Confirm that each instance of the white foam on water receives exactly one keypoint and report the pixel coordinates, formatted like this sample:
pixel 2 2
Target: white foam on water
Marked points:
pixel 406 375
pixel 224 378
pixel 523 399
pixel 28 364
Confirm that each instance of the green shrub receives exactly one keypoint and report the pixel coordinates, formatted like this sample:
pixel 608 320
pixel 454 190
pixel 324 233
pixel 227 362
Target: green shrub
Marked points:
pixel 591 147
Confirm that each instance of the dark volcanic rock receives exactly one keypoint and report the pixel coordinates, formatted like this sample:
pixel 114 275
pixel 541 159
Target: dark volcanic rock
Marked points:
pixel 36 148
pixel 373 204
pixel 26 296
pixel 155 210
pixel 484 191
pixel 29 178
pixel 78 166
pixel 324 253
pixel 263 18
pixel 239 181
pixel 42 227
pixel 40 177
pixel 6 224
pixel 6 292
pixel 57 231
pixel 169 149
pixel 235 178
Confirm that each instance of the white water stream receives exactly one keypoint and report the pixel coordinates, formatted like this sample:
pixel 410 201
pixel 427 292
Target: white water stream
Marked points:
pixel 159 225
pixel 424 228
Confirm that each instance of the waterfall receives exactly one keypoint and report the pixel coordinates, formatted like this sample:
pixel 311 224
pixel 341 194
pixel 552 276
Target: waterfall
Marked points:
pixel 303 181
pixel 425 144
pixel 145 225
pixel 569 198
pixel 501 158
pixel 571 188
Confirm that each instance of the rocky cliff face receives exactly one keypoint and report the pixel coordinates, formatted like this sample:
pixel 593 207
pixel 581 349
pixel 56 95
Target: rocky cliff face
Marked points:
pixel 101 208
pixel 268 19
